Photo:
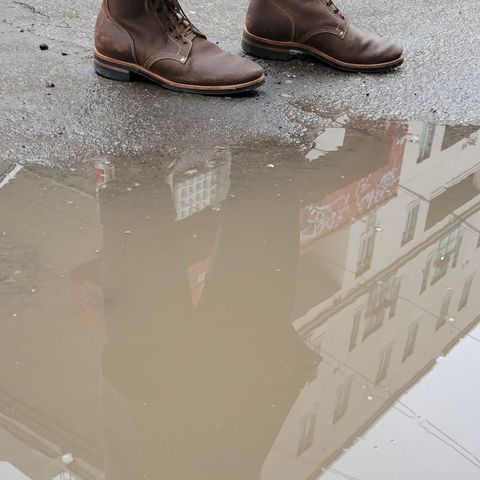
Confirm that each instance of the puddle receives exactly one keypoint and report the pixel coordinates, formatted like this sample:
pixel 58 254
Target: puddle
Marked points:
pixel 246 312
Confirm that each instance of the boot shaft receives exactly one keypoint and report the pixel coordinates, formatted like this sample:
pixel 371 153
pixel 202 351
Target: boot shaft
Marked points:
pixel 111 37
pixel 125 9
pixel 293 20
pixel 133 30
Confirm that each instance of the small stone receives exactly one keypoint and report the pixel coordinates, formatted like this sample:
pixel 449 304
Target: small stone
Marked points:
pixel 50 85
pixel 43 46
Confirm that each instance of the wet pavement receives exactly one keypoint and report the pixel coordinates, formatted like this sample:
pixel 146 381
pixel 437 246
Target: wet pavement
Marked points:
pixel 246 310
pixel 84 115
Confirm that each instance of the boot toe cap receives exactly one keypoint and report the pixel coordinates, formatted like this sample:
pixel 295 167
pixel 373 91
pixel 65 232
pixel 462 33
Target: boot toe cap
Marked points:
pixel 392 51
pixel 381 50
pixel 246 71
pixel 210 65
pixel 368 49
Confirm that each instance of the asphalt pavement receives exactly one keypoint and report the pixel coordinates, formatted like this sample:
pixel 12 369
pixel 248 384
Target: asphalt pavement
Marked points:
pixel 55 109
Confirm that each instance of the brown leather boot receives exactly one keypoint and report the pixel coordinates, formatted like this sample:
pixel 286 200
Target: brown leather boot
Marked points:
pixel 155 39
pixel 318 28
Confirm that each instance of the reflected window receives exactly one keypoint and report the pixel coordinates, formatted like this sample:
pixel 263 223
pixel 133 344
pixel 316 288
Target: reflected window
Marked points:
pixel 342 400
pixel 365 254
pixel 426 275
pixel 367 245
pixel 411 339
pixel 394 298
pixel 373 322
pixel 355 329
pixel 384 363
pixel 467 287
pixel 426 142
pixel 448 246
pixel 442 319
pixel 411 224
pixel 381 297
pixel 195 193
pixel 307 432
pixel 456 253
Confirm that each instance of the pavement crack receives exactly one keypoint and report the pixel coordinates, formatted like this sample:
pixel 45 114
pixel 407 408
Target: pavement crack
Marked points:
pixel 31 8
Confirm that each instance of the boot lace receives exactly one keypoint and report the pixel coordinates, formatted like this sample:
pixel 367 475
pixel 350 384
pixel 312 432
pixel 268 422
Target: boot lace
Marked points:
pixel 336 10
pixel 174 18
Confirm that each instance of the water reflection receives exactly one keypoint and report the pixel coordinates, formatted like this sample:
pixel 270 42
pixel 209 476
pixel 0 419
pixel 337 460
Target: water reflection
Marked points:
pixel 248 311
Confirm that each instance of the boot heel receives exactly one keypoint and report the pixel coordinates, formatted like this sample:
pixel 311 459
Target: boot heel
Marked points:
pixel 262 50
pixel 113 73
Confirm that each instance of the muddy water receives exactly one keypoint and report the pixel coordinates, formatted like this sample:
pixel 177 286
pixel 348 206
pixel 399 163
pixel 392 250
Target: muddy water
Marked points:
pixel 246 311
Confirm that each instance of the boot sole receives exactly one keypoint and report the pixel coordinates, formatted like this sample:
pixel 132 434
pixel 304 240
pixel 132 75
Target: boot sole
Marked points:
pixel 273 50
pixel 124 72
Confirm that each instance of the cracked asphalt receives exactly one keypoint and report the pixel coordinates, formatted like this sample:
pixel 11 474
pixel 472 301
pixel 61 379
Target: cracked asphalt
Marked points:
pixel 55 109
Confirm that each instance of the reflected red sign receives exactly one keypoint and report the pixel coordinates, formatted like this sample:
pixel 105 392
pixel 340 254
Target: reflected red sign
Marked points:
pixel 356 199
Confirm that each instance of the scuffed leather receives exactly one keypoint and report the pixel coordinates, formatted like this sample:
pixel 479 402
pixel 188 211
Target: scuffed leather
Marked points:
pixel 112 40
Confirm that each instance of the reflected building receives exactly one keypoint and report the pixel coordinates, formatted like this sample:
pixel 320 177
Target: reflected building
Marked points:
pixel 400 277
